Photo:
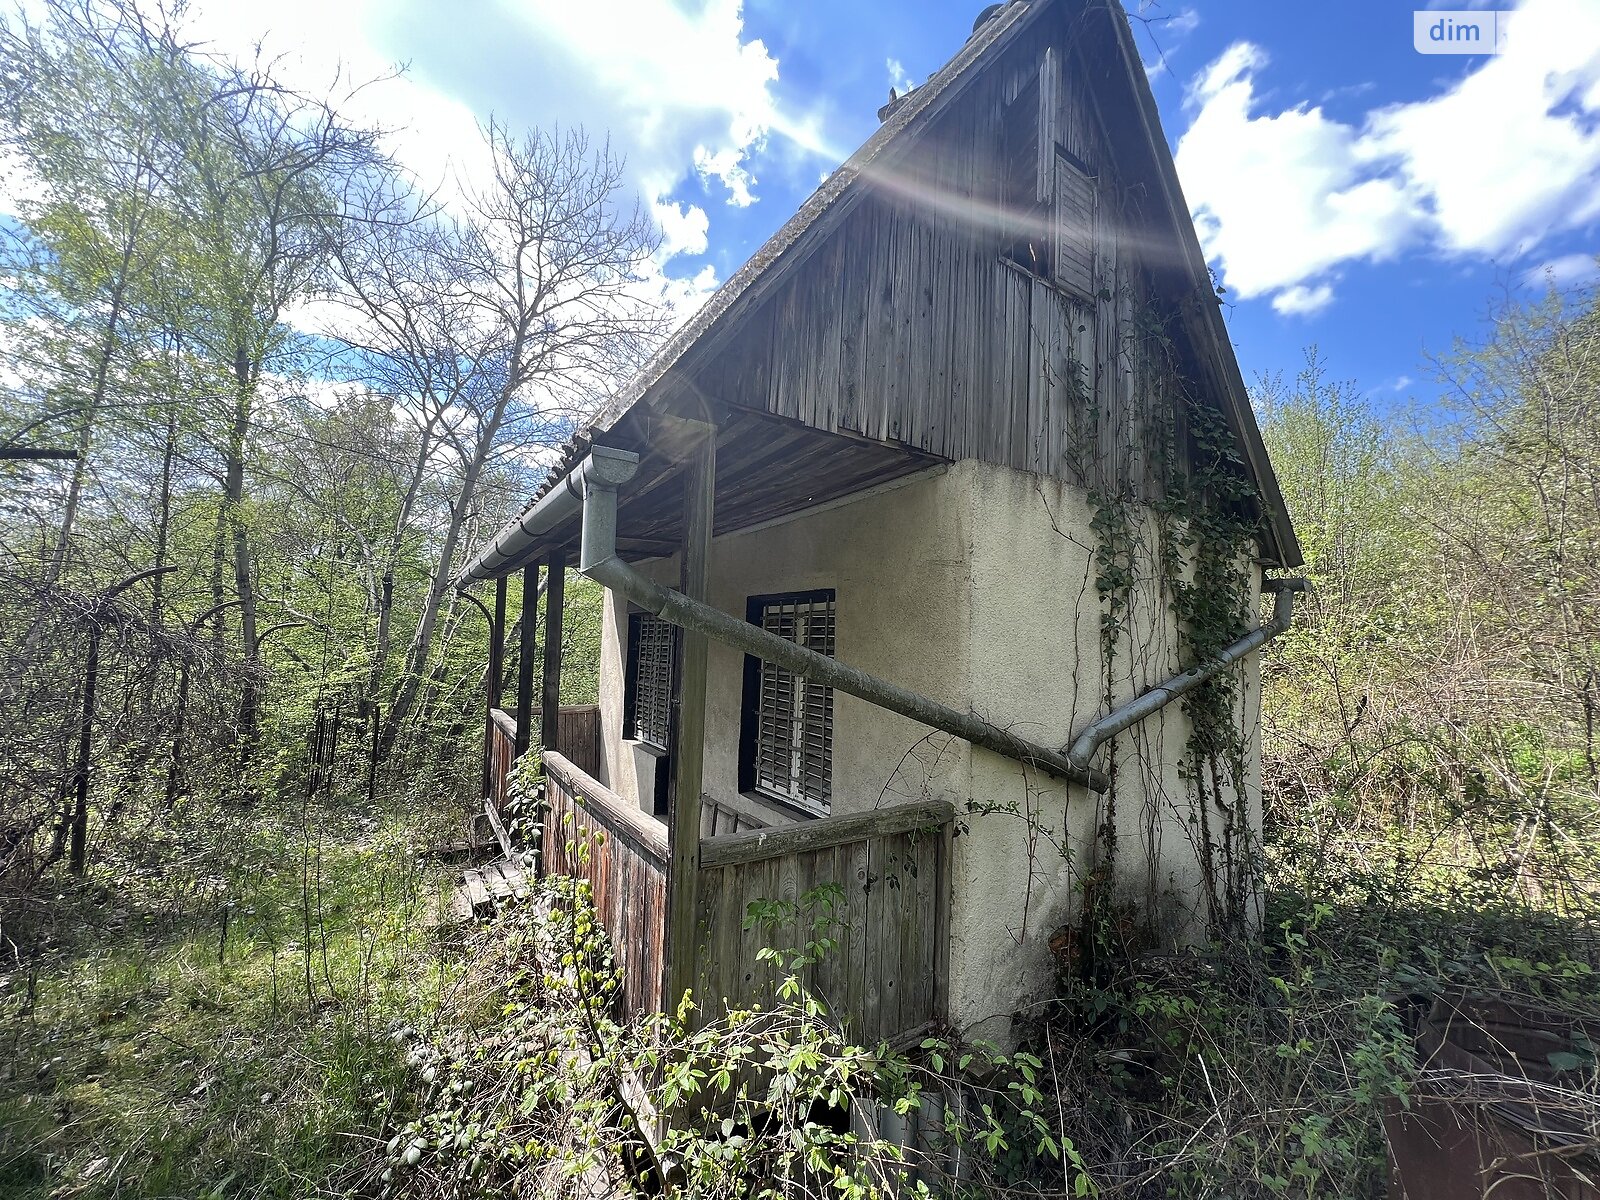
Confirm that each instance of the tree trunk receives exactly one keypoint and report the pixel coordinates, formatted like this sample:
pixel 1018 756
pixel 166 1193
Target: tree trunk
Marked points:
pixel 381 644
pixel 164 513
pixel 239 534
pixel 422 641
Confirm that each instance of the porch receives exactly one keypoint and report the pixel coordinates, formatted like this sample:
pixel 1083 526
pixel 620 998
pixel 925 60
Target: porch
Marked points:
pixel 890 912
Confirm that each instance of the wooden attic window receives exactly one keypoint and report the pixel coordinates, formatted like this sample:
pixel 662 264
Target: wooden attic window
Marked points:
pixel 1048 196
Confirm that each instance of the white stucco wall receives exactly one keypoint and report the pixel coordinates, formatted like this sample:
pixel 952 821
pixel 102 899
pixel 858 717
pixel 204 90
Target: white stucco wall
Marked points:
pixel 976 586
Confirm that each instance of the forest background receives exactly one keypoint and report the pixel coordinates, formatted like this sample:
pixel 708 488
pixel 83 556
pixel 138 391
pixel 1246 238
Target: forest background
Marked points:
pixel 282 388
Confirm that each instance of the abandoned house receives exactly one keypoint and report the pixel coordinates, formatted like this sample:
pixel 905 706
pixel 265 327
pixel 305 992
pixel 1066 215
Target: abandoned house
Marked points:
pixel 933 549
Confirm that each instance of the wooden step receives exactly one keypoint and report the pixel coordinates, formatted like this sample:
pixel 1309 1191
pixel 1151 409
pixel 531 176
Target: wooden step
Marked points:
pixel 493 886
pixel 478 901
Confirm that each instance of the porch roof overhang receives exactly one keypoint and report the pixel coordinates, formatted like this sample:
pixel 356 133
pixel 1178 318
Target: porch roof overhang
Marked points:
pixel 767 467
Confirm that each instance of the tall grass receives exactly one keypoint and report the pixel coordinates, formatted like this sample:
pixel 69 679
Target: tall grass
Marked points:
pixel 216 1024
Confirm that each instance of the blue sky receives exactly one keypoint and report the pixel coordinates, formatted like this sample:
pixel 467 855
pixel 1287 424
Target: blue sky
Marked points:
pixel 1350 191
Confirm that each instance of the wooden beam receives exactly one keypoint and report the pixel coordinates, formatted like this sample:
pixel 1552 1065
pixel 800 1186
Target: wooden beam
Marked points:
pixel 686 742
pixel 530 622
pixel 550 699
pixel 776 841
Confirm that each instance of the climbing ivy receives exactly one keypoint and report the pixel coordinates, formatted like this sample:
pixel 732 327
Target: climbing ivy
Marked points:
pixel 1199 551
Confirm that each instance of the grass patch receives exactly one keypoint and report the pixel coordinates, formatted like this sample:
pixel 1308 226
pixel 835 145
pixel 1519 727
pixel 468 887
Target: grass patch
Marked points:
pixel 218 1025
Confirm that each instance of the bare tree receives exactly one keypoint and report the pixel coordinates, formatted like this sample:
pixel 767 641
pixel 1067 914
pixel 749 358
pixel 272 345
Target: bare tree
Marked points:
pixel 498 324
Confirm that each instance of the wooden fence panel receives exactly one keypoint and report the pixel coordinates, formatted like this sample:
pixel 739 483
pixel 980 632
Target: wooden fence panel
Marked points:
pixel 886 976
pixel 578 736
pixel 625 864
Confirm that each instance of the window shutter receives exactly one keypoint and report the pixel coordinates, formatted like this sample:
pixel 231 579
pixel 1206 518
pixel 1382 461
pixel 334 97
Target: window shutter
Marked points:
pixel 1028 160
pixel 1049 103
pixel 1075 228
pixel 816 748
pixel 788 739
pixel 651 655
pixel 775 741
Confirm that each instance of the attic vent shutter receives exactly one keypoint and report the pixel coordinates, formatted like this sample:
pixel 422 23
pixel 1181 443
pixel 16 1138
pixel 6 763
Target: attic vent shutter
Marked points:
pixel 1075 228
pixel 1028 170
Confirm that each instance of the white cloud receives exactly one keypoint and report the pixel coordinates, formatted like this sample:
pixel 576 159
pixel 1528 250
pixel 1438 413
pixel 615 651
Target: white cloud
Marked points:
pixel 1185 22
pixel 1566 271
pixel 312 43
pixel 1487 167
pixel 727 166
pixel 1281 199
pixel 1302 301
pixel 899 77
pixel 684 229
pixel 678 86
pixel 682 92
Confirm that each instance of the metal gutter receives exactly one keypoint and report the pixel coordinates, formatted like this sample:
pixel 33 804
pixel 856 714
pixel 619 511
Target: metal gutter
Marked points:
pixel 1107 727
pixel 513 541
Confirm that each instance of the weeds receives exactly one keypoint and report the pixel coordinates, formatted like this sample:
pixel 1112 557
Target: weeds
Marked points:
pixel 156 1039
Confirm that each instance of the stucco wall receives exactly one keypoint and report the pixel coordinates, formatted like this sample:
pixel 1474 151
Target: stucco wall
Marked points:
pixel 897 560
pixel 976 586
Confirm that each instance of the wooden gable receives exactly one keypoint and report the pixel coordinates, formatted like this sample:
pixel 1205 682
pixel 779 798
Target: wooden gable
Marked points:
pixel 1006 289
pixel 1005 271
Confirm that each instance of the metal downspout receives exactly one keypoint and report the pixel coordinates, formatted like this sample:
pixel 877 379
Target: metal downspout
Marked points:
pixel 605 470
pixel 1107 727
pixel 593 487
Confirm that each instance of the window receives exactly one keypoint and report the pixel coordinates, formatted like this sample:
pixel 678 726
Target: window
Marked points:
pixel 647 689
pixel 1024 188
pixel 786 743
pixel 1047 194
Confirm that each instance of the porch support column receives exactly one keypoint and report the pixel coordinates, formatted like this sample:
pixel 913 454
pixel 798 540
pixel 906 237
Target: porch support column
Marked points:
pixel 688 728
pixel 550 698
pixel 497 652
pixel 530 622
pixel 497 646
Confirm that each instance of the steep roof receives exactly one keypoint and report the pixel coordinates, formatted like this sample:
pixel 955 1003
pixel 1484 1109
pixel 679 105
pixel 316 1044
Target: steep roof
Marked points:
pixel 827 207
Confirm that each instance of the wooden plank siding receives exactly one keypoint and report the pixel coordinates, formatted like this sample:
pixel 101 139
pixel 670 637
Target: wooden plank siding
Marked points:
pixel 892 871
pixel 907 325
pixel 578 735
pixel 886 978
pixel 591 833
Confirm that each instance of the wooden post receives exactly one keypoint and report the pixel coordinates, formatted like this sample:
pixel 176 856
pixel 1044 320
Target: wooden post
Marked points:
pixel 687 743
pixel 530 623
pixel 497 650
pixel 550 699
pixel 497 645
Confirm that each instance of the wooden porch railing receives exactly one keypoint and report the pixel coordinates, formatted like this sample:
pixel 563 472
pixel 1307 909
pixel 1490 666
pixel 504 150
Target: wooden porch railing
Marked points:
pixel 627 870
pixel 578 736
pixel 502 753
pixel 886 978
pixel 889 913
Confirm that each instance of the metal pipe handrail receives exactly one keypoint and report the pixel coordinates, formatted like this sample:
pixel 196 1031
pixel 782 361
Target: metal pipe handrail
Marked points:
pixel 599 477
